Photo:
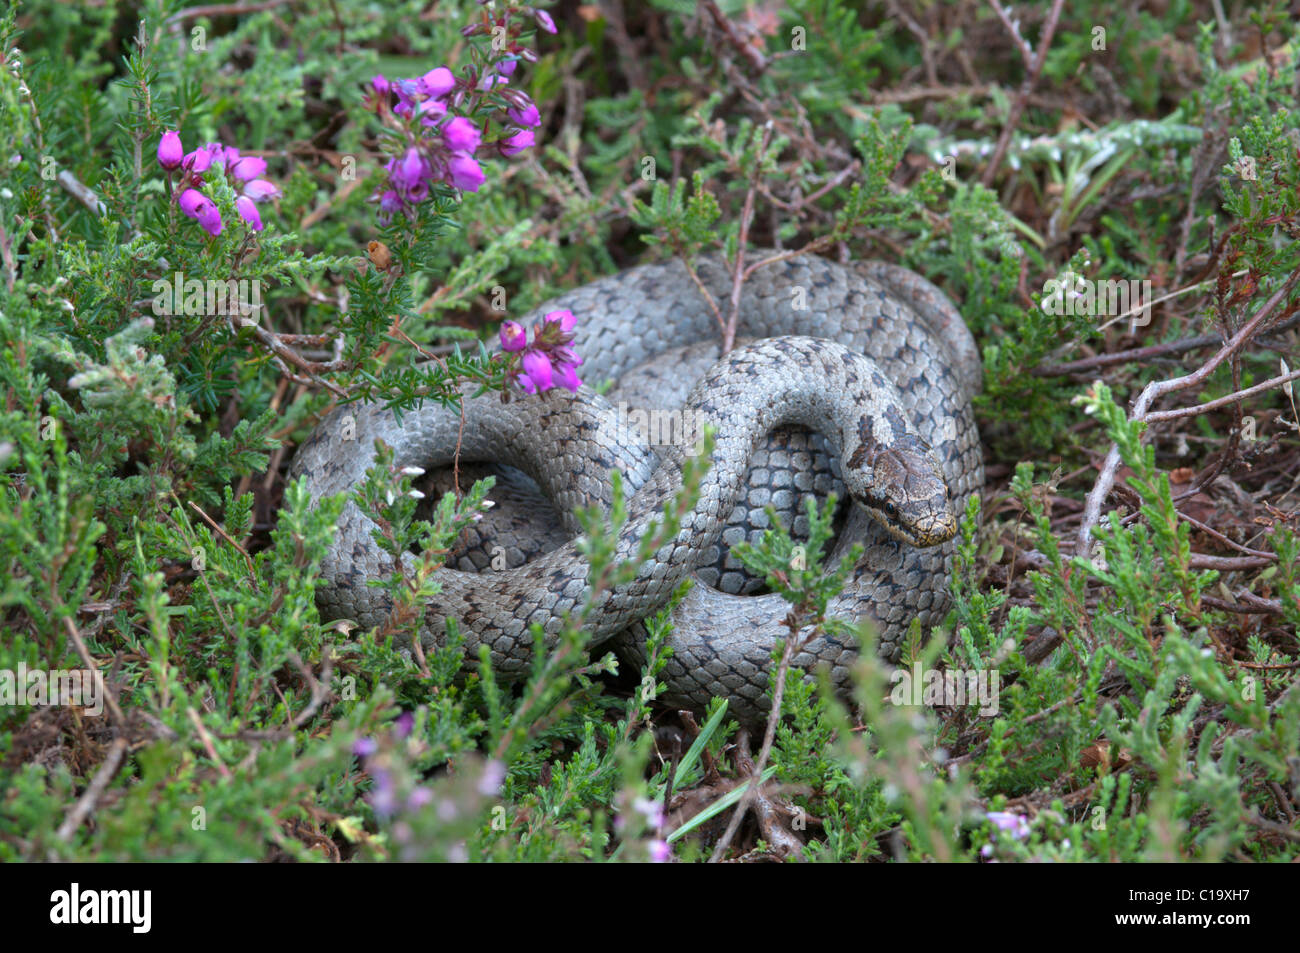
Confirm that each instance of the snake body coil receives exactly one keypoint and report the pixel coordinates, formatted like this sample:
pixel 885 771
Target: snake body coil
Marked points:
pixel 868 355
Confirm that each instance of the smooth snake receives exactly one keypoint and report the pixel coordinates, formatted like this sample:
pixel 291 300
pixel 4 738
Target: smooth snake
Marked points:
pixel 786 403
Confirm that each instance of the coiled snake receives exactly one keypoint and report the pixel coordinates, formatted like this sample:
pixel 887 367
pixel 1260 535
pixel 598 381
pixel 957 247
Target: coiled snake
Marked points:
pixel 869 355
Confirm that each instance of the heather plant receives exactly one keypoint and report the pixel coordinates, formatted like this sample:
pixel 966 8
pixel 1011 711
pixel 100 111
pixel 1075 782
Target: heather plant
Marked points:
pixel 215 226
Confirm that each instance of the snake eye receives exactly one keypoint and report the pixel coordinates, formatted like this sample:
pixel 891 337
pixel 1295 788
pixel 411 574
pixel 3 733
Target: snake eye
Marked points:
pixel 891 510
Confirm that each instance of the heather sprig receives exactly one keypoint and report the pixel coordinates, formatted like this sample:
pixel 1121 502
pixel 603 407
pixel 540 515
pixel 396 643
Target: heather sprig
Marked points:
pixel 244 173
pixel 441 122
pixel 549 360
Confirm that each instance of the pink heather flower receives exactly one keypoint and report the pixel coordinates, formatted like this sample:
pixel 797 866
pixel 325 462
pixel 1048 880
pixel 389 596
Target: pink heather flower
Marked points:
pixel 544 20
pixel 507 67
pixel 170 151
pixel 566 355
pixel 382 797
pixel 461 135
pixel 465 173
pixel 431 110
pixel 660 852
pixel 537 370
pixel 494 775
pixel 198 161
pixel 379 84
pixel 513 336
pixel 526 116
pixel 259 189
pixel 389 203
pixel 652 811
pixel 437 82
pixel 517 143
pixel 190 201
pixel 1013 824
pixel 568 378
pixel 202 209
pixel 224 156
pixel 248 167
pixel 210 219
pixel 418 192
pixel 566 318
pixel 248 212
pixel 409 171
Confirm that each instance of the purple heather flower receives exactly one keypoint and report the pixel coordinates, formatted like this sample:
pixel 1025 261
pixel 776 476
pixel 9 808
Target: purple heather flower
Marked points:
pixel 517 143
pixel 465 173
pixel 492 80
pixel 513 336
pixel 191 201
pixel 406 720
pixel 461 135
pixel 170 150
pixel 544 20
pixel 660 852
pixel 390 202
pixel 198 161
pixel 525 116
pixel 248 167
pixel 259 189
pixel 494 775
pixel 1013 824
pixel 652 811
pixel 382 797
pixel 418 192
pixel 437 82
pixel 420 797
pixel 224 156
pixel 566 355
pixel 568 377
pixel 379 84
pixel 364 747
pixel 248 212
pixel 210 219
pixel 537 371
pixel 566 318
pixel 432 110
pixel 409 171
pixel 507 67
pixel 218 158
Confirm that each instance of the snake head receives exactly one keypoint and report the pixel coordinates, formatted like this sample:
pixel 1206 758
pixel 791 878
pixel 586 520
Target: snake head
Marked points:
pixel 904 490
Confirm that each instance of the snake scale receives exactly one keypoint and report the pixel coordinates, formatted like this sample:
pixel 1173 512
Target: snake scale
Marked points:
pixel 866 364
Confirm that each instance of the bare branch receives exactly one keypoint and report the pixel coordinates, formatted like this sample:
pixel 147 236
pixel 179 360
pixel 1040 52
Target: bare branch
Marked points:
pixel 1106 478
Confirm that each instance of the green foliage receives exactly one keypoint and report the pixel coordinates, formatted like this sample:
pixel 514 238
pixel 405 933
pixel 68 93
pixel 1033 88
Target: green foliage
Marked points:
pixel 147 533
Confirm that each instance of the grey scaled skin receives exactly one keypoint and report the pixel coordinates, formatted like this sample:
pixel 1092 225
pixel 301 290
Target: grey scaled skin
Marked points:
pixel 867 363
